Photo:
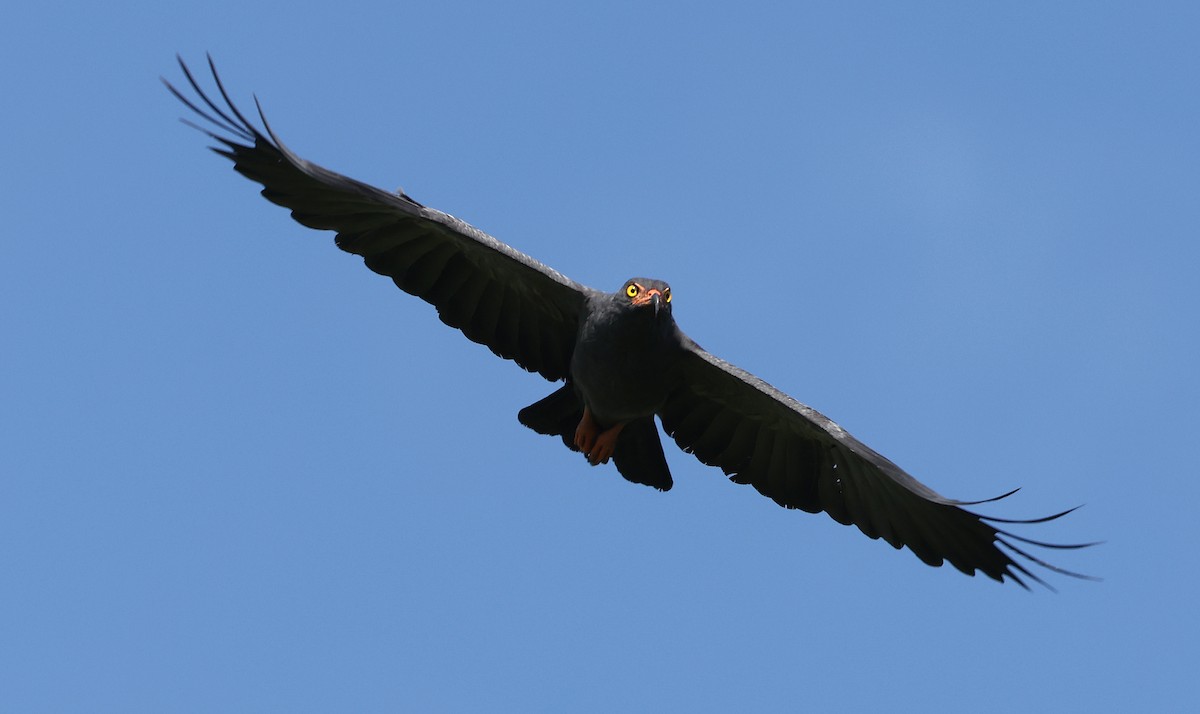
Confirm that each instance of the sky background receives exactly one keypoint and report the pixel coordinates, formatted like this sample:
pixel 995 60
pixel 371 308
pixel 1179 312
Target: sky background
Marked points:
pixel 240 472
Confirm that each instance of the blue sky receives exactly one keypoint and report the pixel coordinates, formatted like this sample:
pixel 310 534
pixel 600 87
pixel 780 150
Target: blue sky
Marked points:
pixel 242 473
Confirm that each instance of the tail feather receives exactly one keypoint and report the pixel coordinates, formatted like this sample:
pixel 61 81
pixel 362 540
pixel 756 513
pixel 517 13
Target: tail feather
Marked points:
pixel 639 455
pixel 555 415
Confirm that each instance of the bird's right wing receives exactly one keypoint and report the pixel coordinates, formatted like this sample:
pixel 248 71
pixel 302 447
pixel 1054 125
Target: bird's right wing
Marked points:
pixel 499 297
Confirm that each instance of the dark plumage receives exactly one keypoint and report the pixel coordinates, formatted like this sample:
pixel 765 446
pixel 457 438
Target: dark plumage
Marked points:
pixel 623 360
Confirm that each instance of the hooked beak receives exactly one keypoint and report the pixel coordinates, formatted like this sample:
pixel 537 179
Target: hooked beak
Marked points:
pixel 652 296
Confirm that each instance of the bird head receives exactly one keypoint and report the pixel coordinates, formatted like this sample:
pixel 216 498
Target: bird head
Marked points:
pixel 648 293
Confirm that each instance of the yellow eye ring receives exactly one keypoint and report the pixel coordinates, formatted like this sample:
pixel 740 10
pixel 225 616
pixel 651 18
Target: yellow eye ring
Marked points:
pixel 631 291
pixel 667 296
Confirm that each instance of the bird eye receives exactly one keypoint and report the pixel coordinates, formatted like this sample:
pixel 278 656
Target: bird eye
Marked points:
pixel 667 295
pixel 632 290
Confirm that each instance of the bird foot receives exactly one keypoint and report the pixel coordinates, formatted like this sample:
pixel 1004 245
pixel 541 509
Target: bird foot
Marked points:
pixel 597 445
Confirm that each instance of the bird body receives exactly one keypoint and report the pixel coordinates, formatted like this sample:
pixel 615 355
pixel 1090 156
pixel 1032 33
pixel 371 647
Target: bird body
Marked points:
pixel 624 356
pixel 623 362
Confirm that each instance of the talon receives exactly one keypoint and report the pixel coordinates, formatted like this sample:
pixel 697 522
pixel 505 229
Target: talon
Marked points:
pixel 606 445
pixel 598 446
pixel 586 432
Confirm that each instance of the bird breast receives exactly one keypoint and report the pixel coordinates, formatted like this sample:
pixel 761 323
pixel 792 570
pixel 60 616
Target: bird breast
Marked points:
pixel 622 363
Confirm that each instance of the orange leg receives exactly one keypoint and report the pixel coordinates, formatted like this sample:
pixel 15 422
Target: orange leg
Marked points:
pixel 597 445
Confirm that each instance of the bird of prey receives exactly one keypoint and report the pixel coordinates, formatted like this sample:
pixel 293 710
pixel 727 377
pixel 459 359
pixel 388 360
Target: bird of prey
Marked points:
pixel 622 359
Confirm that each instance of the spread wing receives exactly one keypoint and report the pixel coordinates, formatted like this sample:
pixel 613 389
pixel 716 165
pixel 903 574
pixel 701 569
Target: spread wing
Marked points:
pixel 792 453
pixel 499 297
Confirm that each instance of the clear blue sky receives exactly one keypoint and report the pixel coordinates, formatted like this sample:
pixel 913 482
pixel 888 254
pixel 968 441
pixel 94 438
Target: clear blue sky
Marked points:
pixel 242 473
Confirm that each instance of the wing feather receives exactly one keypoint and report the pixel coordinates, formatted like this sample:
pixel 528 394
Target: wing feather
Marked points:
pixel 801 459
pixel 519 308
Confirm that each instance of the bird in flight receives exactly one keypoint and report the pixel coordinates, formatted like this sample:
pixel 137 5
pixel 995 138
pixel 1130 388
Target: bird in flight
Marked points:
pixel 623 361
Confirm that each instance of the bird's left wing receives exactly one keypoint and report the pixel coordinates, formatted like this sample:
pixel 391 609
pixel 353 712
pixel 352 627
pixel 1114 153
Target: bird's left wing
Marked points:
pixel 792 453
pixel 499 297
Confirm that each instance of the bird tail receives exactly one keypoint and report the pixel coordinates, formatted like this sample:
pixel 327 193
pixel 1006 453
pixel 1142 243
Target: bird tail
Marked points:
pixel 556 415
pixel 639 453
